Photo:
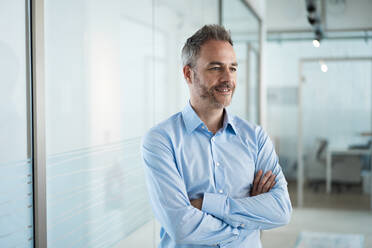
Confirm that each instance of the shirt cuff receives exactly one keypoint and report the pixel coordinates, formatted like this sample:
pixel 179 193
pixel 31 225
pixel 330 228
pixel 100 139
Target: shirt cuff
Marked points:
pixel 214 204
pixel 231 243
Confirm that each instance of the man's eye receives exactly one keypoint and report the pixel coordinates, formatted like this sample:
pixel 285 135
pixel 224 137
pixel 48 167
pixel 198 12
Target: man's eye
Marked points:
pixel 233 69
pixel 214 68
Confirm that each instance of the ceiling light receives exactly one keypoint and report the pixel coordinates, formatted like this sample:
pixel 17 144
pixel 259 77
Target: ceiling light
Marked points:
pixel 324 68
pixel 316 43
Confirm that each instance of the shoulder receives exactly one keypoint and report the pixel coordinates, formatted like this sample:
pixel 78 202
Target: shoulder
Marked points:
pixel 244 127
pixel 253 135
pixel 249 131
pixel 164 131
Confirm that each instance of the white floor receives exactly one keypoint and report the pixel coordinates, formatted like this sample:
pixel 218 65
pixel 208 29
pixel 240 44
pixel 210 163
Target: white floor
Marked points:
pixel 320 220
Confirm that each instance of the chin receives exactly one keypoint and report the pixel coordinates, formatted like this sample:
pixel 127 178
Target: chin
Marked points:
pixel 222 104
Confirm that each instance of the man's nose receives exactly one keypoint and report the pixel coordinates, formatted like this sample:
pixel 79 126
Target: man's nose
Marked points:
pixel 227 75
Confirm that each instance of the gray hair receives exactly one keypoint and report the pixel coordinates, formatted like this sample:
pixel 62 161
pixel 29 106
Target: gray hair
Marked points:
pixel 191 49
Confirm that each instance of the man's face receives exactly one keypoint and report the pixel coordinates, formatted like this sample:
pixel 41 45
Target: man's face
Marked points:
pixel 214 75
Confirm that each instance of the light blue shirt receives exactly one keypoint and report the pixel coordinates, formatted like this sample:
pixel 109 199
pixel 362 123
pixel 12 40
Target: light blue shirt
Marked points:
pixel 184 161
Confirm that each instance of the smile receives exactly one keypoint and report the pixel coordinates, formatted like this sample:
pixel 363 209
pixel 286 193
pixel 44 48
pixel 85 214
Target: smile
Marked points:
pixel 223 90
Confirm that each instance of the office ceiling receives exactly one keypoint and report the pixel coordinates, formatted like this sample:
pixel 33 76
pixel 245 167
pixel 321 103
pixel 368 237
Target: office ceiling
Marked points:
pixel 287 19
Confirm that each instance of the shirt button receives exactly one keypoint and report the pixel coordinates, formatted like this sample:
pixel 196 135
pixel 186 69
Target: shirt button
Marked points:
pixel 217 164
pixel 212 138
pixel 220 191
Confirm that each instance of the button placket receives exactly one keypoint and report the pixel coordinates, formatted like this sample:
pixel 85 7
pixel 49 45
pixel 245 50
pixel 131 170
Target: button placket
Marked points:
pixel 218 171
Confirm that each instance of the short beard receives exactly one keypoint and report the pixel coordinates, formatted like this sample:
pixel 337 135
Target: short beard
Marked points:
pixel 209 94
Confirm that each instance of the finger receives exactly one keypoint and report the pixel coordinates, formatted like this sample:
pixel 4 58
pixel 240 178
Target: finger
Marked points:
pixel 255 183
pixel 256 180
pixel 268 183
pixel 273 184
pixel 263 181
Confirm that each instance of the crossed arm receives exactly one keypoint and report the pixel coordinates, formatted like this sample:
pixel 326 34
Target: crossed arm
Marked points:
pixel 221 218
pixel 261 184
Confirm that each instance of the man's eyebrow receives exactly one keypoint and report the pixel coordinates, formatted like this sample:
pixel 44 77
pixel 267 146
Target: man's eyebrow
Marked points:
pixel 220 63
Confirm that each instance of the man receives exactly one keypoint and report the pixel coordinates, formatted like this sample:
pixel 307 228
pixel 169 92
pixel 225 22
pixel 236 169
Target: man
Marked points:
pixel 213 179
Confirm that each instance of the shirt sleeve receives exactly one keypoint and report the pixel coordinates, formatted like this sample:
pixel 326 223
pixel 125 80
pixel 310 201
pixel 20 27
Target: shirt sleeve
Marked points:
pixel 182 222
pixel 264 211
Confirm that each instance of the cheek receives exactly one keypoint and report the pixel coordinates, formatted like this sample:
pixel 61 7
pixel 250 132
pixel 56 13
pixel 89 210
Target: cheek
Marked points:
pixel 234 82
pixel 234 78
pixel 211 81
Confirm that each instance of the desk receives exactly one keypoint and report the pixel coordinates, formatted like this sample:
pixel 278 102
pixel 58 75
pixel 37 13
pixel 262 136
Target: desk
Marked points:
pixel 331 152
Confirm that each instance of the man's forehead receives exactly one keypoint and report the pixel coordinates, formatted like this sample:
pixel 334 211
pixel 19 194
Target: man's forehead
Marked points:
pixel 215 51
pixel 216 45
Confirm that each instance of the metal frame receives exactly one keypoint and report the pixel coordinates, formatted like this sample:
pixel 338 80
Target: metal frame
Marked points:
pixel 28 77
pixel 220 14
pixel 250 50
pixel 306 35
pixel 261 90
pixel 300 170
pixel 247 4
pixel 38 121
pixel 279 31
pixel 250 7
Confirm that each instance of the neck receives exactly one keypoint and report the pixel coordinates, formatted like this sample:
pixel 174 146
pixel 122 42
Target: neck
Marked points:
pixel 211 117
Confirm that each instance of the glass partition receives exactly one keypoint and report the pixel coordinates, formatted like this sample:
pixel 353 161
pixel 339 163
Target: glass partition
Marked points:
pixel 99 102
pixel 16 193
pixel 112 72
pixel 245 31
pixel 336 115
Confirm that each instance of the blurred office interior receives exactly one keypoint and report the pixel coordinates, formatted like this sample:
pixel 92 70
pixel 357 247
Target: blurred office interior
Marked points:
pixel 82 81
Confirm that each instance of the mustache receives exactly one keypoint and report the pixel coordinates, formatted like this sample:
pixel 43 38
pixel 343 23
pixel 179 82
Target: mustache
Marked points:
pixel 224 85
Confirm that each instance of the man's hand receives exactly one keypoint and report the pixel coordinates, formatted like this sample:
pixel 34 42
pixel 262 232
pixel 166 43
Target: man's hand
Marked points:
pixel 197 203
pixel 262 184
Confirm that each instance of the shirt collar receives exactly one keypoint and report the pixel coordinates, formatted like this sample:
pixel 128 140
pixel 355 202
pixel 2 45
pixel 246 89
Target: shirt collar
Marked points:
pixel 192 120
pixel 228 122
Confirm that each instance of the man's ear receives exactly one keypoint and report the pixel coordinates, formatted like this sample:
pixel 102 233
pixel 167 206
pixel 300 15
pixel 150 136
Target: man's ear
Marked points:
pixel 188 74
